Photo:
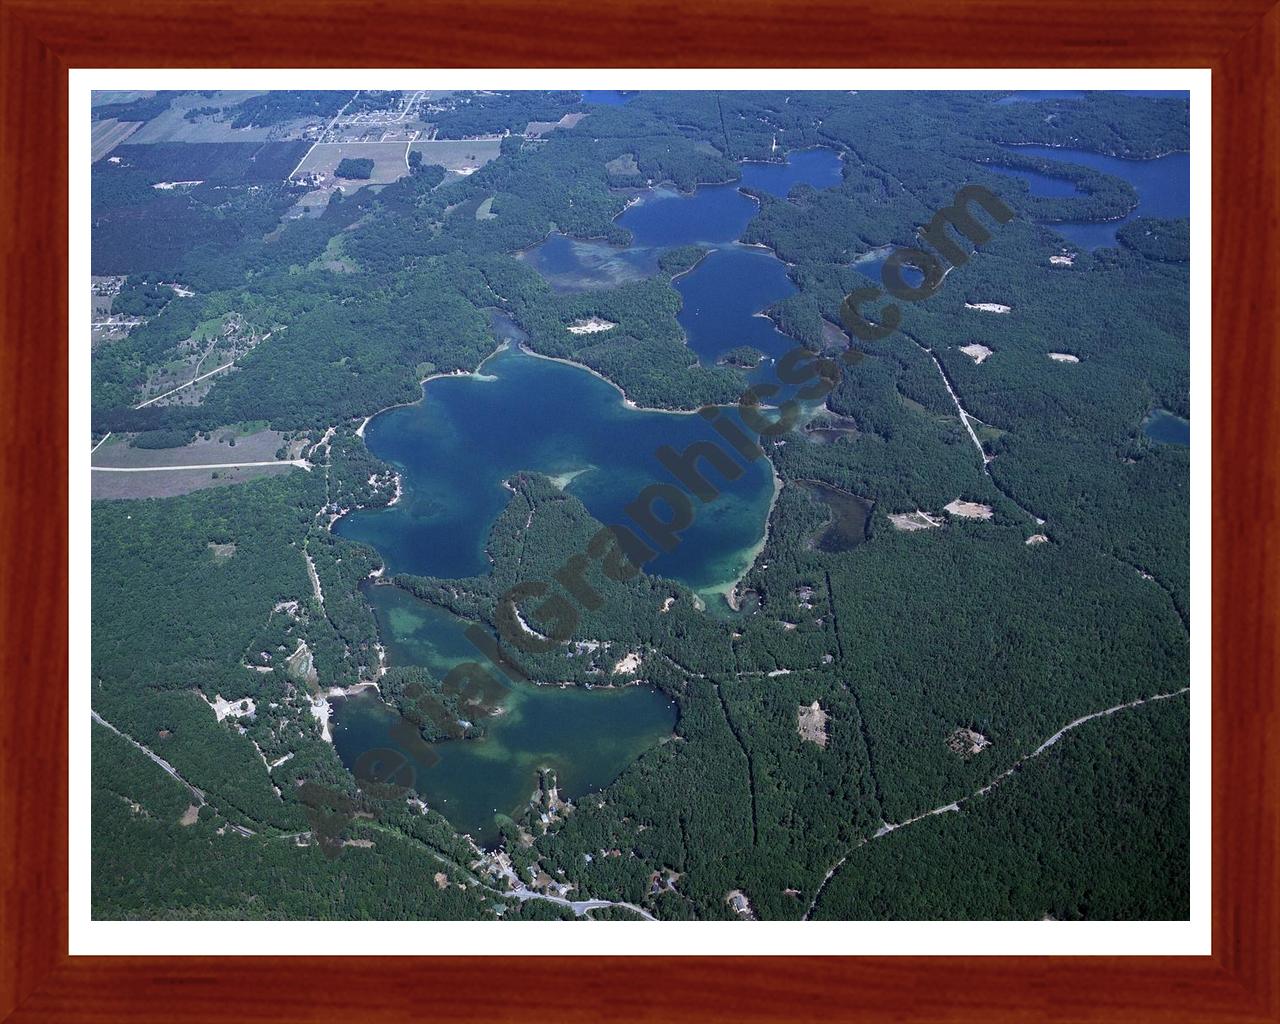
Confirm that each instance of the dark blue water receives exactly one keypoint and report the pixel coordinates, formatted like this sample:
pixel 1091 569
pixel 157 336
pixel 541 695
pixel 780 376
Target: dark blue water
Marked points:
pixel 723 294
pixel 455 448
pixel 722 297
pixel 1163 184
pixel 819 167
pixel 718 213
pixel 1164 427
pixel 711 214
pixel 607 97
pixel 872 265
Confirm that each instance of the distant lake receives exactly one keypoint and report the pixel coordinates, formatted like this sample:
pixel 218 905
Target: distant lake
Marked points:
pixel 1164 427
pixel 714 214
pixel 607 97
pixel 723 294
pixel 1163 185
pixel 587 736
pixel 470 433
pixel 1036 95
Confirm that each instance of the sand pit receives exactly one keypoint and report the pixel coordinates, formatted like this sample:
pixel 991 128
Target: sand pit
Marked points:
pixel 968 509
pixel 1037 538
pixel 811 723
pixel 1063 357
pixel 977 352
pixel 230 709
pixel 591 325
pixel 628 665
pixel 909 522
pixel 989 307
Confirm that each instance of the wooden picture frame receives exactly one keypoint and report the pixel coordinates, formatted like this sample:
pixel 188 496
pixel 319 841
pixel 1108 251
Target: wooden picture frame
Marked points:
pixel 41 39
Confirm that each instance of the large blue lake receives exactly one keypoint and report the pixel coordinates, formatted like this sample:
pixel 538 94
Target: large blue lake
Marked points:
pixel 455 448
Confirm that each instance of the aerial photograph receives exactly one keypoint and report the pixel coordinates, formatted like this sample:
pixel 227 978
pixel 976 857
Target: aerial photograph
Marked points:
pixel 639 505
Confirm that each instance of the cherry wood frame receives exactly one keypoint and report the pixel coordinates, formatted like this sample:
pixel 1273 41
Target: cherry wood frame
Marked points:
pixel 41 39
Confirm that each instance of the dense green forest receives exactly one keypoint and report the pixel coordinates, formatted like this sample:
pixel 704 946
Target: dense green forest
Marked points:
pixel 222 618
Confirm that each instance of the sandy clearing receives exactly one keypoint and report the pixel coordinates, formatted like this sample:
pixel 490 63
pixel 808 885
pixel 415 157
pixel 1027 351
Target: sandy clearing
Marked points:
pixel 1037 538
pixel 989 307
pixel 1063 259
pixel 315 582
pixel 811 723
pixel 912 521
pixel 1063 357
pixel 978 353
pixel 591 325
pixel 320 711
pixel 628 665
pixel 228 708
pixel 968 509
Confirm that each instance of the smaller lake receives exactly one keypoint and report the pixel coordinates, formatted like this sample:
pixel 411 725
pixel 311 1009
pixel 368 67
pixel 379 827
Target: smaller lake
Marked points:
pixel 1163 185
pixel 872 265
pixel 607 97
pixel 819 167
pixel 587 736
pixel 711 213
pixel 1164 427
pixel 663 218
pixel 573 265
pixel 722 297
pixel 850 518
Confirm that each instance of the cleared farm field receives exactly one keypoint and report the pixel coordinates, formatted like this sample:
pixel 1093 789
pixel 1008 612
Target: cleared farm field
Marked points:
pixel 110 133
pixel 218 163
pixel 389 163
pixel 118 486
pixel 101 97
pixel 256 447
pixel 173 126
pixel 460 155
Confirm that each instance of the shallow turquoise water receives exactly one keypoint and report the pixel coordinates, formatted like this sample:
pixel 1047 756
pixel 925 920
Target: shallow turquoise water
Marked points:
pixel 587 736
